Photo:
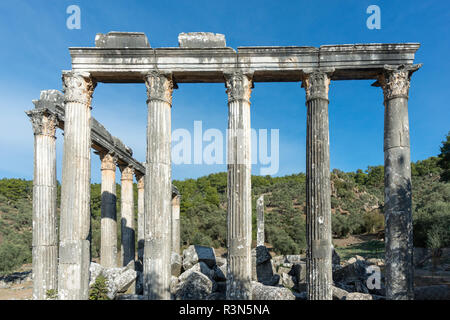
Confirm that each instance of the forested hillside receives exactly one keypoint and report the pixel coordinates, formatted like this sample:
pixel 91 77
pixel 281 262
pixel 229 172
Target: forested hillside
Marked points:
pixel 357 207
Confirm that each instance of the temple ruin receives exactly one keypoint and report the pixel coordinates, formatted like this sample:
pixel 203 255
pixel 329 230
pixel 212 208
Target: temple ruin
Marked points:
pixel 120 57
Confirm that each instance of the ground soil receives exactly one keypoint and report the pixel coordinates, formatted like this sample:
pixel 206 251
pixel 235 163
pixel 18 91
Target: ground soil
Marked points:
pixel 422 277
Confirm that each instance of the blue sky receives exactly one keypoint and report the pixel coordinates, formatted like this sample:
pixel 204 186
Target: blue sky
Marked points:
pixel 34 51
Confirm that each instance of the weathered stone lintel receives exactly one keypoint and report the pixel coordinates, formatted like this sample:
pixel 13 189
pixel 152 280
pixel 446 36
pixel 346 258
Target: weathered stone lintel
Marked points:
pixel 52 102
pixel 115 39
pixel 201 40
pixel 274 64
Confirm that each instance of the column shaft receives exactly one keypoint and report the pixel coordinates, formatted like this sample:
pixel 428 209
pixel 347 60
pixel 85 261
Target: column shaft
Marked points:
pixel 74 246
pixel 260 221
pixel 45 238
pixel 318 194
pixel 108 246
pixel 239 217
pixel 140 227
pixel 158 188
pixel 176 224
pixel 399 272
pixel 127 213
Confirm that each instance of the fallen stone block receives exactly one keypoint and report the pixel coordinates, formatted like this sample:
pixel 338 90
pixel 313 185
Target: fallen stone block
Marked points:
pixel 216 296
pixel 338 293
pixel 130 297
pixel 287 281
pixel 117 40
pixel 221 286
pixel 336 259
pixel 262 254
pixel 176 264
pixel 196 286
pixel 300 295
pixel 436 292
pixel 298 271
pixel 194 254
pixel 262 292
pixel 220 261
pixel 358 296
pixel 294 258
pixel 203 268
pixel 351 272
pixel 173 285
pixel 220 273
pixel 118 280
pixel 201 40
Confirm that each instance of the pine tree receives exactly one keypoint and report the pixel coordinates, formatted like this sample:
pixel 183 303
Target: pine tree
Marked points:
pixel 444 159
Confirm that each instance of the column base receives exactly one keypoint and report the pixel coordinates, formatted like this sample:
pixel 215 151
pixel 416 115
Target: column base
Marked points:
pixel 45 271
pixel 73 273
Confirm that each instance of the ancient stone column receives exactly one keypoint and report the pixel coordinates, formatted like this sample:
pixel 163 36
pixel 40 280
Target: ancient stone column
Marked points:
pixel 158 187
pixel 176 223
pixel 399 272
pixel 74 245
pixel 140 222
pixel 108 246
pixel 45 237
pixel 239 217
pixel 260 221
pixel 127 215
pixel 318 193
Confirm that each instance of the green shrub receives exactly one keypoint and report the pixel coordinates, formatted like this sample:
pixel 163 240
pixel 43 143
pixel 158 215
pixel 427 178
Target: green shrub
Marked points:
pixel 373 222
pixel 99 289
pixel 51 294
pixel 282 243
pixel 13 255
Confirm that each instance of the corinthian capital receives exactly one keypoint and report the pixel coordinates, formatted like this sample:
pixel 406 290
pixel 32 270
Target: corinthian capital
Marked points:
pixel 140 181
pixel 395 80
pixel 127 172
pixel 239 86
pixel 159 86
pixel 78 87
pixel 316 84
pixel 109 161
pixel 43 123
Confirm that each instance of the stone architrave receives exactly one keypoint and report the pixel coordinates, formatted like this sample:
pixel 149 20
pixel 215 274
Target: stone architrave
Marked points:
pixel 399 272
pixel 74 243
pixel 239 216
pixel 158 188
pixel 45 237
pixel 318 190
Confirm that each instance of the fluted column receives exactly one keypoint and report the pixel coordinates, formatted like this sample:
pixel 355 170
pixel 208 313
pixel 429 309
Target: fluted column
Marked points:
pixel 108 246
pixel 45 237
pixel 318 195
pixel 74 245
pixel 127 213
pixel 239 217
pixel 399 272
pixel 158 187
pixel 176 223
pixel 260 221
pixel 140 222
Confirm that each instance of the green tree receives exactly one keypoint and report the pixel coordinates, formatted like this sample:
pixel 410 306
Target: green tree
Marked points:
pixel 444 159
